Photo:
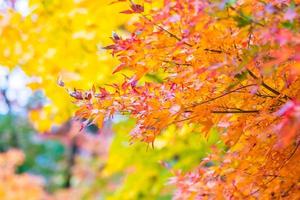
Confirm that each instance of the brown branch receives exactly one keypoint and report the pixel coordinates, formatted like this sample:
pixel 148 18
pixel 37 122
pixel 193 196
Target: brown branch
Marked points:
pixel 175 63
pixel 168 32
pixel 290 156
pixel 178 38
pixel 4 95
pixel 14 135
pixel 266 85
pixel 220 96
pixel 213 50
pixel 273 178
pixel 242 16
pixel 234 111
pixel 264 96
pixel 288 190
pixel 182 120
pixel 71 162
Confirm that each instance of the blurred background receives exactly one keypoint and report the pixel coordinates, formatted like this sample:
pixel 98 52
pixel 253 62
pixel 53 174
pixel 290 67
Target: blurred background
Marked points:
pixel 43 155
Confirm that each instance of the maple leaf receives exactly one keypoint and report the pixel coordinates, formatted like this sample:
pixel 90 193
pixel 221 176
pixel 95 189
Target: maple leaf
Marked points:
pixel 290 125
pixel 135 8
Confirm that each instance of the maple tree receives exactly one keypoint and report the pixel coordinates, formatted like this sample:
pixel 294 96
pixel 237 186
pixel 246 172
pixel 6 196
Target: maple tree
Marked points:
pixel 229 65
pixel 191 68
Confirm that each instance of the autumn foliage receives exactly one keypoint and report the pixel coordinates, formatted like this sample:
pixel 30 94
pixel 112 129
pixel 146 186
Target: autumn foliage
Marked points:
pixel 17 186
pixel 231 65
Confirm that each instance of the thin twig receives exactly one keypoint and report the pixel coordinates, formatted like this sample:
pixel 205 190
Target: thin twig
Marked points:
pixel 165 30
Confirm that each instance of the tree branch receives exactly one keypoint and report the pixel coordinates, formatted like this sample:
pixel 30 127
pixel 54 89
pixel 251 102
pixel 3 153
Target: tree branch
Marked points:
pixel 71 162
pixel 213 50
pixel 168 32
pixel 175 63
pixel 234 111
pixel 267 86
pixel 178 38
pixel 220 96
pixel 14 136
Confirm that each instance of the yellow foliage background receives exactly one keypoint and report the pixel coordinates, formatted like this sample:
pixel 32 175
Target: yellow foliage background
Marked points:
pixel 61 40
